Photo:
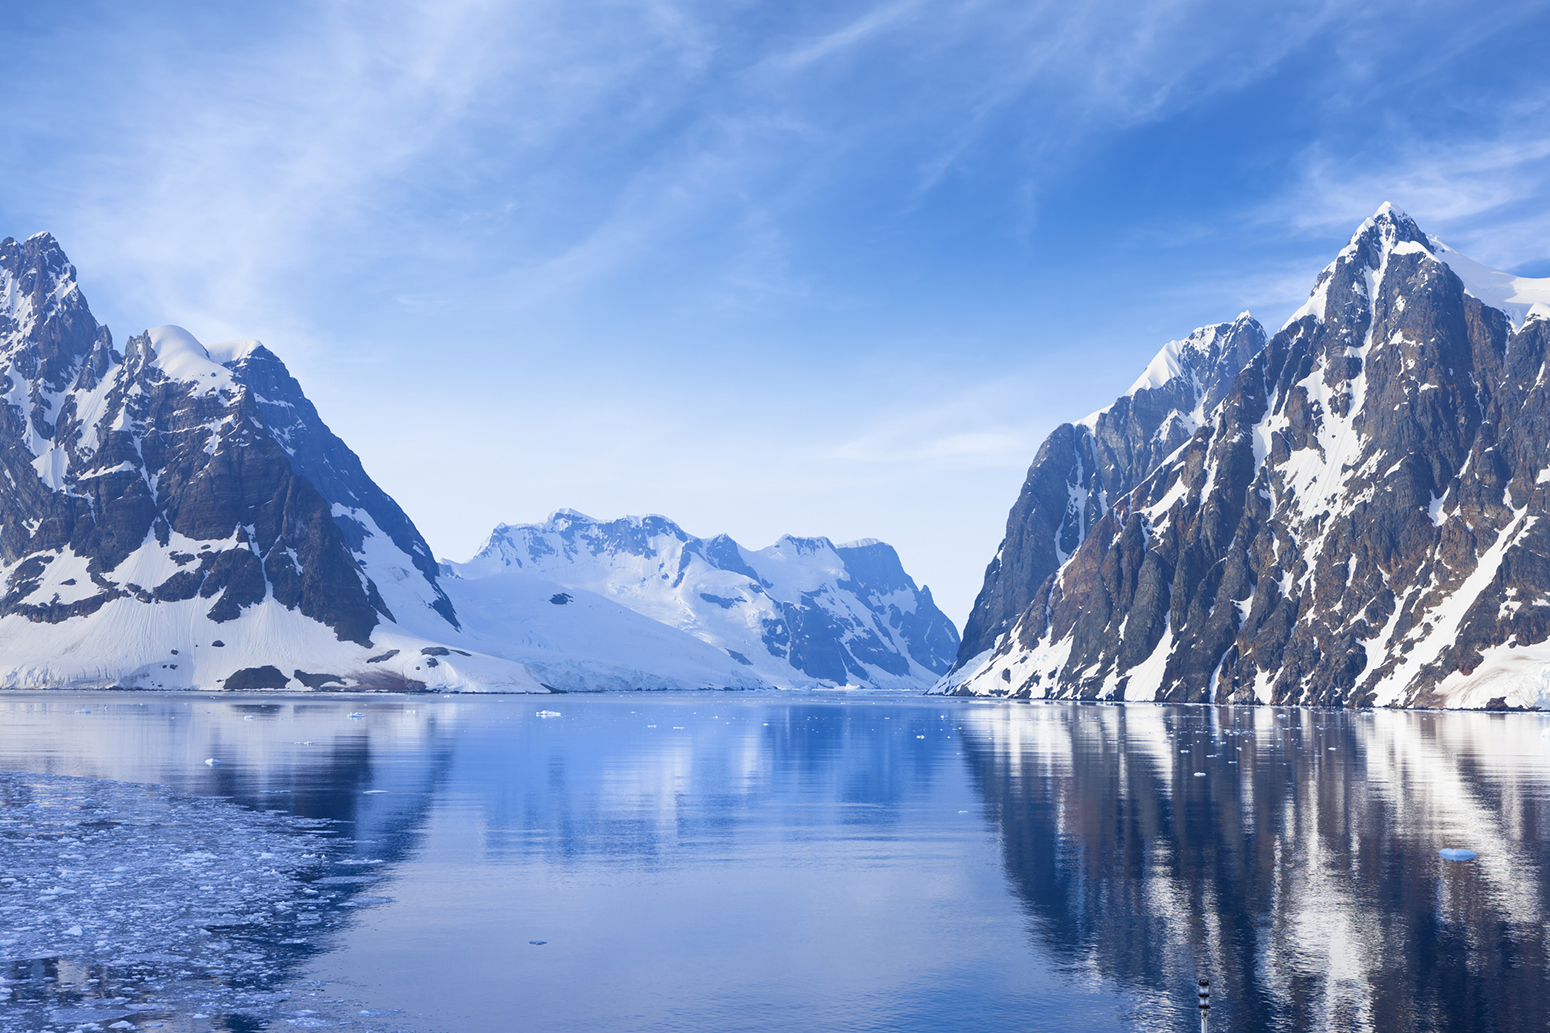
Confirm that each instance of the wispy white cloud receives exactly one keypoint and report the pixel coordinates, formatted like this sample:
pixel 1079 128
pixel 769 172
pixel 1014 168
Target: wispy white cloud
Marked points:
pixel 1485 196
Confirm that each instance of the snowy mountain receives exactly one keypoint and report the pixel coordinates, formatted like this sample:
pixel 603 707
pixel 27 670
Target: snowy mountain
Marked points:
pixel 803 612
pixel 1357 520
pixel 179 516
pixel 1082 467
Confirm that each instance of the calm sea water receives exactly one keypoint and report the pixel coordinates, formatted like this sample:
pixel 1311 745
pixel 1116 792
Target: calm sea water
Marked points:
pixel 729 862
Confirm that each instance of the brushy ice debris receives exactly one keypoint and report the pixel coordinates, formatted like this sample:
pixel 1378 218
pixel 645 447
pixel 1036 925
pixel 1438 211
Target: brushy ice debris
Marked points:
pixel 133 904
pixel 1456 854
pixel 549 713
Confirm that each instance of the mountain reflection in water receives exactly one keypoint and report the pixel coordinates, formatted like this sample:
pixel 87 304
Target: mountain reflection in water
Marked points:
pixel 1301 874
pixel 763 863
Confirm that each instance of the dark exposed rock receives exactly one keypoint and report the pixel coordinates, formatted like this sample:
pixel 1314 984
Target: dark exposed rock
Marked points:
pixel 382 657
pixel 1082 468
pixel 317 681
pixel 266 677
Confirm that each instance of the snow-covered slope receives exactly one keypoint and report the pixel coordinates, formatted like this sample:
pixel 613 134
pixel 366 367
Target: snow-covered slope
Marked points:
pixel 1360 520
pixel 179 516
pixel 580 641
pixel 803 612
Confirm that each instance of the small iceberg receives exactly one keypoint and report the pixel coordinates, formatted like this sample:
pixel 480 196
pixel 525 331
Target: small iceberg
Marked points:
pixel 1456 854
pixel 211 761
pixel 1200 774
pixel 357 716
pixel 548 713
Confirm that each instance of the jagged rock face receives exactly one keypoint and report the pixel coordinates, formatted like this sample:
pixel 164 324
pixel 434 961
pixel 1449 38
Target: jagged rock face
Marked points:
pixel 105 454
pixel 802 612
pixel 1361 520
pixel 380 535
pixel 156 496
pixel 1082 467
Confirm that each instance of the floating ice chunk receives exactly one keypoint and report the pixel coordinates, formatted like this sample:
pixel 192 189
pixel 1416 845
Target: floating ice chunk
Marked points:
pixel 357 716
pixel 385 1013
pixel 211 761
pixel 549 713
pixel 83 710
pixel 1456 854
pixel 920 736
pixel 74 930
pixel 1200 774
pixel 373 792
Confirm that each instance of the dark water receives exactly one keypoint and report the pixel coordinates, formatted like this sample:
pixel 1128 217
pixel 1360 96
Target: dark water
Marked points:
pixel 732 862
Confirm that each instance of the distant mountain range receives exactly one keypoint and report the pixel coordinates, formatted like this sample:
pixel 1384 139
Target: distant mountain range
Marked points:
pixel 176 515
pixel 1350 513
pixel 802 613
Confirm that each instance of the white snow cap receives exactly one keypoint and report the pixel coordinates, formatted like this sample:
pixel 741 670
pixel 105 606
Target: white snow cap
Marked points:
pixel 180 355
pixel 1520 297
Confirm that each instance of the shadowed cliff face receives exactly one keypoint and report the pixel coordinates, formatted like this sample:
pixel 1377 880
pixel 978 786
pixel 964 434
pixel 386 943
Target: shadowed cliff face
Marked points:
pixel 1082 468
pixel 1300 874
pixel 1358 522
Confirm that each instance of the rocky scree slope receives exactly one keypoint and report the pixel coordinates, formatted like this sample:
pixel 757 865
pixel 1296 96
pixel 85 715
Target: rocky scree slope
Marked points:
pixel 1359 520
pixel 802 613
pixel 177 516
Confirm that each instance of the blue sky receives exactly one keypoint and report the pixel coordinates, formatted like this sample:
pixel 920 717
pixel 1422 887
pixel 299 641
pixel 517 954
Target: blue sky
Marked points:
pixel 765 267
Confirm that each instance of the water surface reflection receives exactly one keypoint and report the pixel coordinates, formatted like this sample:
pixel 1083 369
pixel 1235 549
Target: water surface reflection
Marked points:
pixel 1289 856
pixel 763 863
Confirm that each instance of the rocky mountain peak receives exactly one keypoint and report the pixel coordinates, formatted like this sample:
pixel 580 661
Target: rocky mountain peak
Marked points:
pixel 1359 520
pixel 152 496
pixel 46 330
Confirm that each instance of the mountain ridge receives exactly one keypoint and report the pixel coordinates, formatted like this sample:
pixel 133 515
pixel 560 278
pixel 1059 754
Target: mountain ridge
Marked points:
pixel 803 612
